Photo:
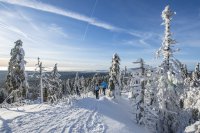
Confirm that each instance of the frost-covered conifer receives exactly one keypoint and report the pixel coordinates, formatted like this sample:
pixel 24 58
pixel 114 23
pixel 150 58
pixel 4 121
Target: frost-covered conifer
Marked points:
pixel 55 89
pixel 16 82
pixel 83 85
pixel 137 86
pixel 184 71
pixel 77 85
pixel 197 72
pixel 170 82
pixel 115 72
pixel 94 81
pixel 68 86
pixel 166 49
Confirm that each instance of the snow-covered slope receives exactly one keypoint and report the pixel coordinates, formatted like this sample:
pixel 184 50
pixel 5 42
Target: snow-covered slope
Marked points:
pixel 86 115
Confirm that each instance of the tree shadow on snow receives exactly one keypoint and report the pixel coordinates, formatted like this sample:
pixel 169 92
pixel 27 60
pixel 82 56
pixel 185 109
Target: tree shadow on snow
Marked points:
pixel 5 127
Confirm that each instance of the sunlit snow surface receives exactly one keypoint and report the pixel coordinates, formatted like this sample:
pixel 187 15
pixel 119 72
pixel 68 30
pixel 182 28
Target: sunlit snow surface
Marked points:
pixel 85 115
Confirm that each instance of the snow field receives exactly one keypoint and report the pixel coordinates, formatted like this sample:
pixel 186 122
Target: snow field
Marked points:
pixel 85 115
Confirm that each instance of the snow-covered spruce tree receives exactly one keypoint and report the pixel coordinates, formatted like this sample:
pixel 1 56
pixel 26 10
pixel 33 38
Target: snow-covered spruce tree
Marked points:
pixel 125 76
pixel 196 77
pixel 151 109
pixel 55 90
pixel 137 86
pixel 77 85
pixel 170 82
pixel 16 82
pixel 114 73
pixel 184 71
pixel 68 87
pixel 93 82
pixel 83 85
pixel 191 98
pixel 197 71
pixel 42 76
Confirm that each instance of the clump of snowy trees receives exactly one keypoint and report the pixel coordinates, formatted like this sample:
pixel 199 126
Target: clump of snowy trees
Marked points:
pixel 165 99
pixel 45 86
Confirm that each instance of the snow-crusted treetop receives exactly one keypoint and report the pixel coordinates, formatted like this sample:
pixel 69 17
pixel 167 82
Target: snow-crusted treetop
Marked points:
pixel 197 68
pixel 55 73
pixel 166 48
pixel 116 57
pixel 17 56
pixel 18 43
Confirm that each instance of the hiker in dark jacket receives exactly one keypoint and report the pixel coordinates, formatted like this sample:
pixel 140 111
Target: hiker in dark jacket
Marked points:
pixel 97 91
pixel 104 86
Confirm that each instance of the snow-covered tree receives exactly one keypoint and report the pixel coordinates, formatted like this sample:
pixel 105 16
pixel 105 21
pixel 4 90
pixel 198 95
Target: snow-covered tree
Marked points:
pixel 68 86
pixel 137 86
pixel 93 82
pixel 55 90
pixel 39 68
pixel 83 85
pixel 167 49
pixel 114 72
pixel 170 81
pixel 77 85
pixel 197 72
pixel 16 82
pixel 184 71
pixel 150 99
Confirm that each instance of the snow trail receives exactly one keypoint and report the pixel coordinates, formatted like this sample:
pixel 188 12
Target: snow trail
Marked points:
pixel 86 115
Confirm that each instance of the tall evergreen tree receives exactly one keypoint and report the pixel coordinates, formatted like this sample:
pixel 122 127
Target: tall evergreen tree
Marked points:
pixel 68 87
pixel 55 81
pixel 170 81
pixel 16 82
pixel 115 73
pixel 83 85
pixel 77 85
pixel 167 49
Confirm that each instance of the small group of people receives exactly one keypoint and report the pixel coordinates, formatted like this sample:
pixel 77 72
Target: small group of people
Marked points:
pixel 98 87
pixel 103 86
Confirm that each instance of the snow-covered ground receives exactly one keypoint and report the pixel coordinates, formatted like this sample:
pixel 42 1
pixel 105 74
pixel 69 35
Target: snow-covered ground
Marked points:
pixel 85 115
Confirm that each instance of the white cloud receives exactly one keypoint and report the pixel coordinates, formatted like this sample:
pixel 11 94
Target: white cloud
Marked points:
pixel 34 4
pixel 57 30
pixel 52 9
pixel 12 29
pixel 143 39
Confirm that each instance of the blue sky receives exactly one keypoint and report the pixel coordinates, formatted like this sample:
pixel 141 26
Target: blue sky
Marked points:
pixel 84 34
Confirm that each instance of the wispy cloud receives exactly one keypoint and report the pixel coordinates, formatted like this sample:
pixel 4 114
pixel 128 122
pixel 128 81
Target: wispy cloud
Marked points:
pixel 58 30
pixel 142 37
pixel 34 4
pixel 52 9
pixel 12 29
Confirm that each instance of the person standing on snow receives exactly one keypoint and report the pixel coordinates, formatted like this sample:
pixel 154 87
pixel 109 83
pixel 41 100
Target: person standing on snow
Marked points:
pixel 97 91
pixel 111 86
pixel 104 86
